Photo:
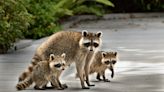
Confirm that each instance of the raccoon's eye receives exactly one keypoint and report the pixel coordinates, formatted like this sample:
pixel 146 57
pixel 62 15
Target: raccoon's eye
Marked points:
pixel 86 44
pixel 96 44
pixel 107 62
pixel 114 61
pixel 57 65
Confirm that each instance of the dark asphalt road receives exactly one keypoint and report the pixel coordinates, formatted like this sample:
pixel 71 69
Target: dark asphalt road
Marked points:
pixel 139 43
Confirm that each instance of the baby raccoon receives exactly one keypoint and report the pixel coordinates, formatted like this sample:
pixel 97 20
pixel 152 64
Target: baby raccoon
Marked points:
pixel 103 61
pixel 44 72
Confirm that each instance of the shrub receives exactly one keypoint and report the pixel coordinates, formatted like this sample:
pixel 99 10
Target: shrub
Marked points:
pixel 44 21
pixel 38 18
pixel 14 19
pixel 47 13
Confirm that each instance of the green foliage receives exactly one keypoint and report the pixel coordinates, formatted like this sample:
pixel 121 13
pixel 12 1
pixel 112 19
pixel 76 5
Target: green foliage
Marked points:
pixel 38 18
pixel 14 19
pixel 43 18
pixel 106 2
pixel 47 12
pixel 97 10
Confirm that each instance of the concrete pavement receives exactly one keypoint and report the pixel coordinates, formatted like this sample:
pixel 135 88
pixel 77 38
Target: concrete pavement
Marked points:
pixel 139 43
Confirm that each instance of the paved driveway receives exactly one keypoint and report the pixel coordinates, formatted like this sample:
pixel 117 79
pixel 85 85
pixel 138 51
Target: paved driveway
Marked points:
pixel 139 43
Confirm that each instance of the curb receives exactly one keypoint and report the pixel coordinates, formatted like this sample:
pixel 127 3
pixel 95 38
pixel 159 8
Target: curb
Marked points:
pixel 74 20
pixel 20 45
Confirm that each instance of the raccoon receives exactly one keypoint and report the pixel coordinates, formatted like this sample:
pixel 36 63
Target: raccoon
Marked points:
pixel 102 61
pixel 76 45
pixel 44 72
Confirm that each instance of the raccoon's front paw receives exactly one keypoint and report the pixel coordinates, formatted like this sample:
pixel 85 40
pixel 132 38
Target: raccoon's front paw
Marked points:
pixel 91 85
pixel 64 86
pixel 88 83
pixel 106 80
pixel 60 88
pixel 99 79
pixel 85 88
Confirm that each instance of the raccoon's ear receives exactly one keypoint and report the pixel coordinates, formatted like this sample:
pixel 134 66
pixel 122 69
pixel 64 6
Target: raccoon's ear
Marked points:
pixel 99 34
pixel 103 54
pixel 52 56
pixel 115 53
pixel 84 33
pixel 63 55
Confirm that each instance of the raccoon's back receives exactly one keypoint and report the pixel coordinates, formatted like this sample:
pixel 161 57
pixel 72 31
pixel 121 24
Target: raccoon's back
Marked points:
pixel 41 69
pixel 60 42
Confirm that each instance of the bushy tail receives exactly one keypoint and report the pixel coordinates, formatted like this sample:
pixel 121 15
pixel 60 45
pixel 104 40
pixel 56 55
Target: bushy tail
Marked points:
pixel 29 70
pixel 24 84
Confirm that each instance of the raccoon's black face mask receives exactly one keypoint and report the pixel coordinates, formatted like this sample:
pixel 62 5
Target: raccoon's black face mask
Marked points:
pixel 91 41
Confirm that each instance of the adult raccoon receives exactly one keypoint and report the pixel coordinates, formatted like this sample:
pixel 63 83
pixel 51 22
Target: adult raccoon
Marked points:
pixel 76 45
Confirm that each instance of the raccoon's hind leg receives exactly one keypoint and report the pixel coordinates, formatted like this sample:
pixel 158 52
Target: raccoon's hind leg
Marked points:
pixel 40 84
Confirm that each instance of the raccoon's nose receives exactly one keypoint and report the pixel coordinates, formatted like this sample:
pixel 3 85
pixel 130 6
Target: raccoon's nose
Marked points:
pixel 91 50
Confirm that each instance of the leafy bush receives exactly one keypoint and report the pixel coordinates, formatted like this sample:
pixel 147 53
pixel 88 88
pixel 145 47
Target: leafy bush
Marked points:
pixel 39 18
pixel 43 18
pixel 48 12
pixel 14 19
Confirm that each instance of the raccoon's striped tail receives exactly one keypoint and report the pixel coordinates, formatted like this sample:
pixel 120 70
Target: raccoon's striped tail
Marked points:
pixel 29 70
pixel 24 84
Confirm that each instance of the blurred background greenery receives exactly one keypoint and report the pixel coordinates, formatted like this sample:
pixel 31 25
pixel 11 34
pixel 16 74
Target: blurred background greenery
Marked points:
pixel 39 18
